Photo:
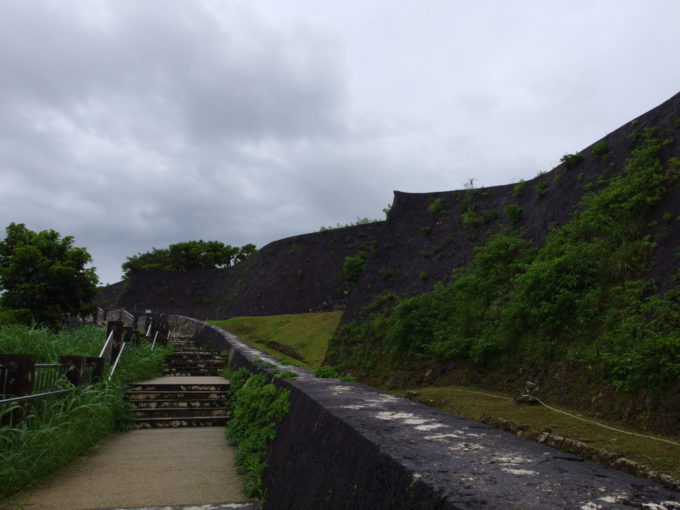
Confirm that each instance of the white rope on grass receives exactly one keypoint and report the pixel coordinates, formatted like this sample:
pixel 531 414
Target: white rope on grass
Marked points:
pixel 577 417
pixel 606 426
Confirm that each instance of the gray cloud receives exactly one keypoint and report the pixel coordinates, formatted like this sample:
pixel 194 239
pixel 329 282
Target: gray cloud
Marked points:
pixel 138 124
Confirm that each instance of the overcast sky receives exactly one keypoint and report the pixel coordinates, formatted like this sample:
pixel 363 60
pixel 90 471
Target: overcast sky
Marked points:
pixel 133 124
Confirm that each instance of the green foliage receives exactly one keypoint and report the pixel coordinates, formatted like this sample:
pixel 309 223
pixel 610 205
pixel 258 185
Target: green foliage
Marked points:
pixel 423 276
pixel 572 160
pixel 44 277
pixel 600 149
pixel 513 212
pixel 387 211
pixel 189 255
pixel 257 407
pixel 353 266
pixel 517 189
pixel 541 187
pixel 470 218
pixel 488 216
pixel 437 207
pixel 326 372
pixel 450 320
pixel 359 221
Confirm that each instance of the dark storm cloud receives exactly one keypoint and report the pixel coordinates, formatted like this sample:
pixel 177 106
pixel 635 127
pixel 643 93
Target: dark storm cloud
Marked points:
pixel 156 127
pixel 132 124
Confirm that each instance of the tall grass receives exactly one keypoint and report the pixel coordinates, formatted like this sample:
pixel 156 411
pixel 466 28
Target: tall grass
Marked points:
pixel 47 346
pixel 60 428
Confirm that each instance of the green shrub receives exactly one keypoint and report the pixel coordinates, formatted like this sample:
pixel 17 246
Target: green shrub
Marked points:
pixel 572 160
pixel 353 266
pixel 517 189
pixel 258 407
pixel 541 187
pixel 326 372
pixel 513 212
pixel 600 149
pixel 437 207
pixel 470 218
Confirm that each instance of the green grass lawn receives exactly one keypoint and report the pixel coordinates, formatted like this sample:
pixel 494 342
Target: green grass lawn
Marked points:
pixel 300 339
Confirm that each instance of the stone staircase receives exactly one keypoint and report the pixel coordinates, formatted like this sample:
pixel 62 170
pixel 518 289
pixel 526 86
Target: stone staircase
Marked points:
pixel 191 394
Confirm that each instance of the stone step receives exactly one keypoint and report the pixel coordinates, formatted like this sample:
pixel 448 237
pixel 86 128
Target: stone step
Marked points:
pixel 205 362
pixel 175 395
pixel 180 412
pixel 197 421
pixel 179 386
pixel 206 403
pixel 192 355
pixel 196 372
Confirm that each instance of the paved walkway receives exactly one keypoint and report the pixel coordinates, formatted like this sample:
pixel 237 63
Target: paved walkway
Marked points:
pixel 145 468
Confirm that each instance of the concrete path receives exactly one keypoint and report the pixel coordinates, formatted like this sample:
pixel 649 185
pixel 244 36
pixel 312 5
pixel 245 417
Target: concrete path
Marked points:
pixel 147 467
pixel 151 468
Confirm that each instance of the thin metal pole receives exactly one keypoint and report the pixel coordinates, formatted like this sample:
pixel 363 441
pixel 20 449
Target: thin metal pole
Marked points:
pixel 113 369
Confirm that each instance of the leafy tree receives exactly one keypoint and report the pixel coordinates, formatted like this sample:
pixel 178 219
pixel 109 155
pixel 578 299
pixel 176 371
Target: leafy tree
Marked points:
pixel 189 255
pixel 43 276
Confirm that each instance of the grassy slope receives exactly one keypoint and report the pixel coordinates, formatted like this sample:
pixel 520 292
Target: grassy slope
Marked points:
pixel 305 336
pixel 309 334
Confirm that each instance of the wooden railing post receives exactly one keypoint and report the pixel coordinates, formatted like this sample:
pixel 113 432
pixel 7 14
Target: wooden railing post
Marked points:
pixel 18 377
pixel 74 368
pixel 118 337
pixel 20 369
pixel 96 366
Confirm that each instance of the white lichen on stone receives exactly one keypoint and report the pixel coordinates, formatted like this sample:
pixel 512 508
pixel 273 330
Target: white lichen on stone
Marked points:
pixel 515 471
pixel 443 438
pixel 664 505
pixel 390 416
pixel 510 460
pixel 430 426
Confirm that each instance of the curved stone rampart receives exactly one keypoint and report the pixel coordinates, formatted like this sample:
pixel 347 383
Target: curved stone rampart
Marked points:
pixel 349 446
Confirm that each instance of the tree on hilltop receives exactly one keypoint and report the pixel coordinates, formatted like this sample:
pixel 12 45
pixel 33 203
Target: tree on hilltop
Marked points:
pixel 189 255
pixel 43 276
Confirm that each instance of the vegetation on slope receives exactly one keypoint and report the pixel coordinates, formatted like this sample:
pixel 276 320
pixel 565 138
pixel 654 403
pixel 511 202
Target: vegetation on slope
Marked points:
pixel 301 339
pixel 582 298
pixel 62 427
